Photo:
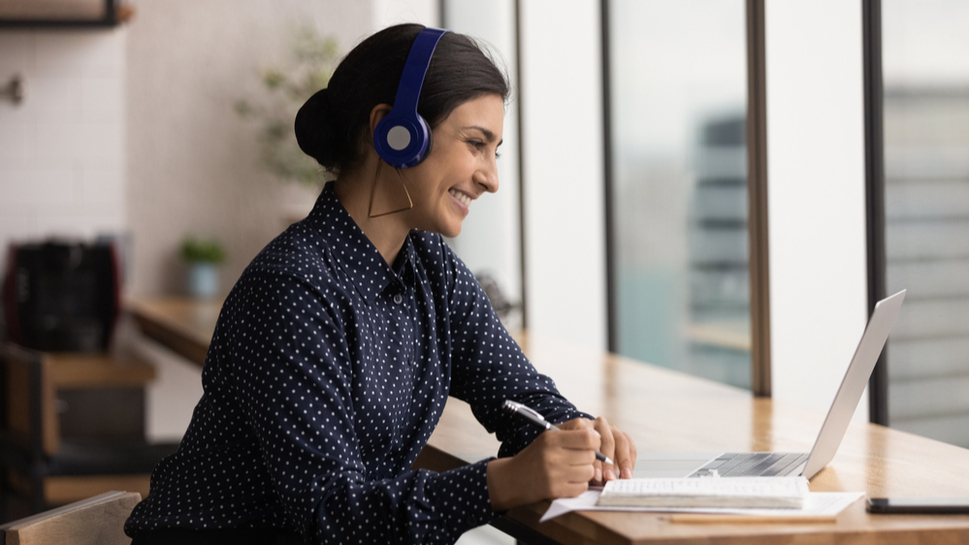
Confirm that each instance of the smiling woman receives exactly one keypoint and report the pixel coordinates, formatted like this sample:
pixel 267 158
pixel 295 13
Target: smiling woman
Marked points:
pixel 441 188
pixel 337 348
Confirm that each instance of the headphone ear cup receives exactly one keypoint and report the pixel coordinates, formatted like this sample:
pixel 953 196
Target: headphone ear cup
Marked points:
pixel 430 145
pixel 402 140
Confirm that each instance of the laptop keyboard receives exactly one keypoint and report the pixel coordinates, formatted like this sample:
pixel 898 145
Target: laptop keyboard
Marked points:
pixel 752 464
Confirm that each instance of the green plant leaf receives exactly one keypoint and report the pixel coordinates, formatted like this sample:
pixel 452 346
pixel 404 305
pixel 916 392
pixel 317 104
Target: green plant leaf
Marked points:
pixel 313 58
pixel 196 249
pixel 273 78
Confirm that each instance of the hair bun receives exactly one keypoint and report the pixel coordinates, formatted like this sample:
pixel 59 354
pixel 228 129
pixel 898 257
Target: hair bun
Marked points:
pixel 313 128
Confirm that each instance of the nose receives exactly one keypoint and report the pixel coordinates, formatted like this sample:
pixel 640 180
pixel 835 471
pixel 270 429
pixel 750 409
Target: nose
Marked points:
pixel 487 176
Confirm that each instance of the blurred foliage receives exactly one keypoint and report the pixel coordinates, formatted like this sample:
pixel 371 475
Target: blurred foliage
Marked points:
pixel 313 59
pixel 195 249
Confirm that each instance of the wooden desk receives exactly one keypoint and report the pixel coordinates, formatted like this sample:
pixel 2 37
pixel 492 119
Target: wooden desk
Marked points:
pixel 668 411
pixel 183 325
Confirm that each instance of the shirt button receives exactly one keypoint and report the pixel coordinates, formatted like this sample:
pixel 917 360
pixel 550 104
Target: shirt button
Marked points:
pixel 398 298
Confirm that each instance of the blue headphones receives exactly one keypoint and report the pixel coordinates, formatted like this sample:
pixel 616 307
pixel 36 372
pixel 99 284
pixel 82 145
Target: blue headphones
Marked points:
pixel 402 137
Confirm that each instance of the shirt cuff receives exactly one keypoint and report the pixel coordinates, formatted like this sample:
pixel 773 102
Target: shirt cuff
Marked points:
pixel 462 493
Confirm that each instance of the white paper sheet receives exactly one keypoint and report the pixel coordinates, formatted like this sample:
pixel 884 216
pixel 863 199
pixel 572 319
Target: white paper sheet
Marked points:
pixel 735 492
pixel 818 504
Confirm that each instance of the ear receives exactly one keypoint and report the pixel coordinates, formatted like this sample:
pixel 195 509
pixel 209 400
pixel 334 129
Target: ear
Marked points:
pixel 376 114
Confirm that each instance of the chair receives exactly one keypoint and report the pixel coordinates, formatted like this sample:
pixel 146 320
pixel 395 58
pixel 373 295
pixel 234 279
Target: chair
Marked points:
pixel 40 468
pixel 95 521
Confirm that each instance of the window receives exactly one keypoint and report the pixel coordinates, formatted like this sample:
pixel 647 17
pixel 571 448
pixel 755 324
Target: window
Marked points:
pixel 678 185
pixel 490 242
pixel 925 135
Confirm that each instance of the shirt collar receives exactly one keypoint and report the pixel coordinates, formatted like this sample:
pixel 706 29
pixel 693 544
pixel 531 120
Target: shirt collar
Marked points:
pixel 354 252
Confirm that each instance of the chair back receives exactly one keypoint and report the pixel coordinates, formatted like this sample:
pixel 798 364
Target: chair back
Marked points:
pixel 95 521
pixel 28 416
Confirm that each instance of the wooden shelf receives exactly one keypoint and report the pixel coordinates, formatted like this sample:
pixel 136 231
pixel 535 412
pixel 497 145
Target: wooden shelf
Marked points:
pixel 121 15
pixel 73 370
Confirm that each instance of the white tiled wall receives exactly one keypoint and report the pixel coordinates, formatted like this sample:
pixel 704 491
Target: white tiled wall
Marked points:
pixel 62 150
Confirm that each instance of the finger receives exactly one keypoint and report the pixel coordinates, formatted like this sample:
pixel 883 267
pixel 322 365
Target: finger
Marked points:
pixel 633 455
pixel 569 468
pixel 607 447
pixel 581 474
pixel 579 439
pixel 578 448
pixel 573 447
pixel 585 423
pixel 575 424
pixel 625 454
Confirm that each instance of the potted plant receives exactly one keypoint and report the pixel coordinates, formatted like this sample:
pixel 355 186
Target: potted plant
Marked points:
pixel 312 63
pixel 203 257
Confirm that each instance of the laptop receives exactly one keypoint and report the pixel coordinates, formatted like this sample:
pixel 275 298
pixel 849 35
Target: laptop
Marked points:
pixel 788 464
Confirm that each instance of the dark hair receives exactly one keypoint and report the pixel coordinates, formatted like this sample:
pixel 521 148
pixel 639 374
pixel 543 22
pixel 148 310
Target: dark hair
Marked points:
pixel 331 125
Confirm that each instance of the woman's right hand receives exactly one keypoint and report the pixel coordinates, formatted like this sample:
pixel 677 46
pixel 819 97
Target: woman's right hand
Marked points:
pixel 558 464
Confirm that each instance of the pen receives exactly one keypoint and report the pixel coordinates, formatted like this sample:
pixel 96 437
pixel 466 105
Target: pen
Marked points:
pixel 536 419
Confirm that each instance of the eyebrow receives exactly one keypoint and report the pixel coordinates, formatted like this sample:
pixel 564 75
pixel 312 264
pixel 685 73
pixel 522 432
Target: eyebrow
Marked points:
pixel 489 135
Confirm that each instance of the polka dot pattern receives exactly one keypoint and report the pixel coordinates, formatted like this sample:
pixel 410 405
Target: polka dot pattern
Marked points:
pixel 327 372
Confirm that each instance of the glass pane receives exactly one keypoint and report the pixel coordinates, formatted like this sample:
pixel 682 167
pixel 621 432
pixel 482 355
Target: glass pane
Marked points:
pixel 678 95
pixel 925 59
pixel 490 241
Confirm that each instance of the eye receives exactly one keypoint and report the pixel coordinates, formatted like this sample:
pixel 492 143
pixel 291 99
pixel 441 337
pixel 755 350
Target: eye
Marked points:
pixel 482 146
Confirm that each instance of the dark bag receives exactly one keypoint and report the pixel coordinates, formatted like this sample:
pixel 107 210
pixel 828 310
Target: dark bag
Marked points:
pixel 61 296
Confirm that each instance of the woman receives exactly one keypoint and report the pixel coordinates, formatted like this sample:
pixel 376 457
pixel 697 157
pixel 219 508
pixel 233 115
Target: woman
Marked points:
pixel 337 348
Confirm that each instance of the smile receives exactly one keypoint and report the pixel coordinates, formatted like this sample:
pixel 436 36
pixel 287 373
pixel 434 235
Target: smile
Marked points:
pixel 462 198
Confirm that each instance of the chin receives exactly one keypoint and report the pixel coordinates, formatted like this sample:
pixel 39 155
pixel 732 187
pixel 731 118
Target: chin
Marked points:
pixel 450 231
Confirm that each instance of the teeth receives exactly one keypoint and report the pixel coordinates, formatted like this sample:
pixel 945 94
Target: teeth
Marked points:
pixel 465 199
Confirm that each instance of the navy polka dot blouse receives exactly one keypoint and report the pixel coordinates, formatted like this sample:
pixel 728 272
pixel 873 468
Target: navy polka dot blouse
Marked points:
pixel 326 374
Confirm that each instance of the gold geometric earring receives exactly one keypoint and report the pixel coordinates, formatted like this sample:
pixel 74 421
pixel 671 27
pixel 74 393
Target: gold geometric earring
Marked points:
pixel 384 200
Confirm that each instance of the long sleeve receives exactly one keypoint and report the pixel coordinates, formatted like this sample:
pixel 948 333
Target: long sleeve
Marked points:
pixel 293 377
pixel 489 367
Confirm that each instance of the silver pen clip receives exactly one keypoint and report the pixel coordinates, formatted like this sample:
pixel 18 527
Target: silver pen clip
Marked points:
pixel 528 412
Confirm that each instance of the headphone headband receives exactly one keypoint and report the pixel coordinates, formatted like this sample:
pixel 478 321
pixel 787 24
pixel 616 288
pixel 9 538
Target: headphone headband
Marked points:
pixel 402 137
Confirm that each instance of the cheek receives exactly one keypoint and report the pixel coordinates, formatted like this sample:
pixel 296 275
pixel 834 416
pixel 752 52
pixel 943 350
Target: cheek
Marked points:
pixel 445 167
pixel 455 157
